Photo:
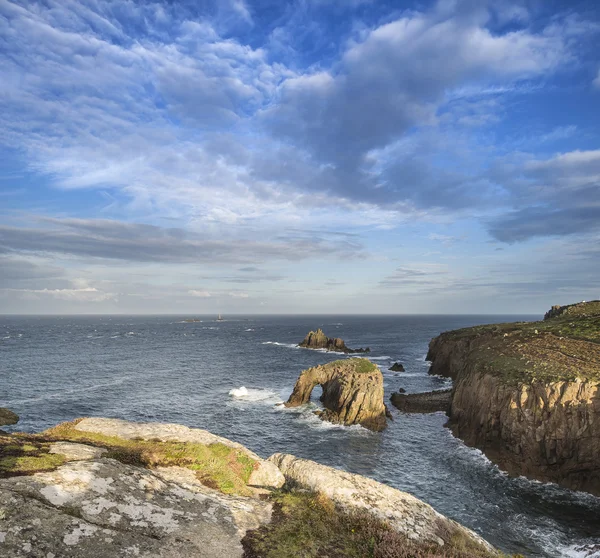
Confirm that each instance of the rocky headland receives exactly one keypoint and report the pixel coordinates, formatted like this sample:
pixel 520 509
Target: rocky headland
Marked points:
pixel 528 394
pixel 352 392
pixel 106 487
pixel 318 340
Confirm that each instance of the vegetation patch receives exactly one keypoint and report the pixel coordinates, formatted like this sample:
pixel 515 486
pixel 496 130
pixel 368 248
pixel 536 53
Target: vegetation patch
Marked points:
pixel 21 456
pixel 308 525
pixel 360 365
pixel 216 465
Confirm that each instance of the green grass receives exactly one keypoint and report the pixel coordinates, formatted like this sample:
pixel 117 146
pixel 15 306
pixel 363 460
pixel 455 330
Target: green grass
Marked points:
pixel 307 525
pixel 19 456
pixel 360 365
pixel 216 465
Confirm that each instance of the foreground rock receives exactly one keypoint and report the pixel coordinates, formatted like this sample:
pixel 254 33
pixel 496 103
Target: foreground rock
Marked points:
pixel 265 475
pixel 318 340
pixel 397 367
pixel 429 402
pixel 106 508
pixel 406 514
pixel 528 394
pixel 8 418
pixel 352 392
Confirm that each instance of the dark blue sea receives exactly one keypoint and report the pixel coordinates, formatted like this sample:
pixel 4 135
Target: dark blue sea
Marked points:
pixel 162 368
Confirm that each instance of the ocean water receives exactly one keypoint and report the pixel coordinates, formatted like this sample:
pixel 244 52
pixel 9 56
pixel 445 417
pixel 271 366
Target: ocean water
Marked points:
pixel 229 376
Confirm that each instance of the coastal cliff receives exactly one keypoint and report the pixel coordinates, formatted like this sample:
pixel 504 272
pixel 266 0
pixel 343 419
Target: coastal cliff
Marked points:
pixel 107 487
pixel 528 394
pixel 352 392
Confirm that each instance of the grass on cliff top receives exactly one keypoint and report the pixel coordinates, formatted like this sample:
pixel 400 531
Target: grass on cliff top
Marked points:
pixel 307 525
pixel 360 365
pixel 216 465
pixel 23 456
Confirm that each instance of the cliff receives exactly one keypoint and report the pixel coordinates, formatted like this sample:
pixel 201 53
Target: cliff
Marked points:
pixel 318 340
pixel 528 394
pixel 352 392
pixel 104 487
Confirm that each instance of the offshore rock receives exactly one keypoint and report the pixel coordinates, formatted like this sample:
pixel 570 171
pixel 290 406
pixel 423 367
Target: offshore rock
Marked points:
pixel 396 367
pixel 352 392
pixel 318 340
pixel 429 402
pixel 7 417
pixel 406 514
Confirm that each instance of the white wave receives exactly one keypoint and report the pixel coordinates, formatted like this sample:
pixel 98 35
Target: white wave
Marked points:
pixel 588 549
pixel 380 358
pixel 249 329
pixel 289 345
pixel 254 395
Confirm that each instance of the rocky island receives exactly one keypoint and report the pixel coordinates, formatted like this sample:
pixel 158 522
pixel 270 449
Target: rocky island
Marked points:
pixel 528 394
pixel 318 340
pixel 107 487
pixel 352 392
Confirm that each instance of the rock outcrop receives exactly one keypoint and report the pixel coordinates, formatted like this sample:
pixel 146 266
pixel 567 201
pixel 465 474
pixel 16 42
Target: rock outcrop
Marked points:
pixel 8 418
pixel 95 501
pixel 264 475
pixel 102 507
pixel 318 340
pixel 352 392
pixel 591 308
pixel 528 394
pixel 429 402
pixel 405 513
pixel 396 367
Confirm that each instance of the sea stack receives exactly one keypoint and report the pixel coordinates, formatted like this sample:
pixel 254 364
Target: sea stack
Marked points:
pixel 352 392
pixel 318 340
pixel 528 393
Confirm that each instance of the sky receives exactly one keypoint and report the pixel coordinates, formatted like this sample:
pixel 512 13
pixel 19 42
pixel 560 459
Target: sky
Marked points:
pixel 299 156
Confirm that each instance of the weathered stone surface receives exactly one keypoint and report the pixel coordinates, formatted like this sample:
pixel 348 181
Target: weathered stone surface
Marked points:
pixel 408 515
pixel 429 402
pixel 352 392
pixel 7 417
pixel 318 340
pixel 105 508
pixel 76 452
pixel 264 476
pixel 396 367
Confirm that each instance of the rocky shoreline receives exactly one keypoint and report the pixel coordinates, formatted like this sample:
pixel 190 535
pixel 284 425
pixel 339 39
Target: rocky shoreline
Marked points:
pixel 114 488
pixel 528 394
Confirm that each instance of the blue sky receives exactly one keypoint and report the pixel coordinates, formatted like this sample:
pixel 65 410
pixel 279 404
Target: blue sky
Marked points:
pixel 314 156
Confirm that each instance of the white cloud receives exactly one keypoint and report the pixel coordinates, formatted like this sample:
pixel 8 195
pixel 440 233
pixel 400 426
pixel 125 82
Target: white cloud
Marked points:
pixel 199 294
pixel 596 82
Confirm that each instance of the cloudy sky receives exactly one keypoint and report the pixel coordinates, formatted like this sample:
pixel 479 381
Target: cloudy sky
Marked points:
pixel 301 156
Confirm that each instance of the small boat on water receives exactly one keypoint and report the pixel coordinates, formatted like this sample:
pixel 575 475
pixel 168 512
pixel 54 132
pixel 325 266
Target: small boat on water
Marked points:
pixel 220 318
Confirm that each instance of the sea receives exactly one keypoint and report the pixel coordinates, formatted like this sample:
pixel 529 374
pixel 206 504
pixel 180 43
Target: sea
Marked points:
pixel 171 369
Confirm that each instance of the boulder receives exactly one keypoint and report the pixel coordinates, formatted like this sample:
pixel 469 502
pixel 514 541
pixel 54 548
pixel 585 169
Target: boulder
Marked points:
pixel 428 402
pixel 265 475
pixel 406 514
pixel 318 340
pixel 76 452
pixel 397 367
pixel 7 417
pixel 352 392
pixel 102 507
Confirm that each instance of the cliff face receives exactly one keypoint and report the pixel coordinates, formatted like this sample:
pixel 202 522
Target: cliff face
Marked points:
pixel 352 392
pixel 528 396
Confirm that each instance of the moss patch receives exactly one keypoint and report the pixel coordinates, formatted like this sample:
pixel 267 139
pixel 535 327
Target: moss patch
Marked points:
pixel 360 365
pixel 216 465
pixel 20 456
pixel 309 525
